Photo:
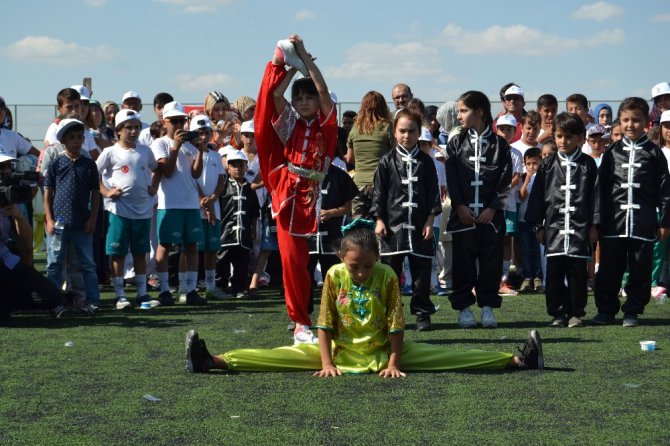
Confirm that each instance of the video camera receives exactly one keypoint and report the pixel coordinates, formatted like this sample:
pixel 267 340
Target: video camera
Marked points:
pixel 17 188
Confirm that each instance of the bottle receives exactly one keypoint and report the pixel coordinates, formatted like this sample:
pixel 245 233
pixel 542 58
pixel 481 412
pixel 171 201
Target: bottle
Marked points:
pixel 57 236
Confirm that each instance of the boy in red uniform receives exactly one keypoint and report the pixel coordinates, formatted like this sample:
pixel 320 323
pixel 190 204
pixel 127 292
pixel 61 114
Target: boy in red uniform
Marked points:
pixel 295 148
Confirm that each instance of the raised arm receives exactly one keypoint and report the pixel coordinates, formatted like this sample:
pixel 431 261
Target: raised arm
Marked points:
pixel 326 103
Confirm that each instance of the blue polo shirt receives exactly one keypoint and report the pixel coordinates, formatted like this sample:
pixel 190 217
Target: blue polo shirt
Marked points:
pixel 72 181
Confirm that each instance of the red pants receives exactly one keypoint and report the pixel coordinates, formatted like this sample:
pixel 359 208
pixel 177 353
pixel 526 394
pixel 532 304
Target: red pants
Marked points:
pixel 294 254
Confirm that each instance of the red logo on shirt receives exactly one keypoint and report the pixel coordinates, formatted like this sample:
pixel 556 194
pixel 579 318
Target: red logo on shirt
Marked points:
pixel 125 169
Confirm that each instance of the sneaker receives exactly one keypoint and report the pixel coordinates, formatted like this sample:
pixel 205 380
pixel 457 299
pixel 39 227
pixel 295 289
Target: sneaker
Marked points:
pixel 303 335
pixel 422 322
pixel 407 290
pixel 537 284
pixel 240 295
pixel 165 298
pixel 139 300
pixel 531 353
pixel 59 311
pixel 88 309
pixel 252 293
pixel 193 298
pixel 559 321
pixel 122 303
pixel 441 291
pixel 526 286
pixel 657 291
pixel 198 359
pixel 630 320
pixel 286 52
pixel 575 322
pixel 488 319
pixel 264 280
pixel 466 318
pixel 216 294
pixel 182 297
pixel 506 290
pixel 603 319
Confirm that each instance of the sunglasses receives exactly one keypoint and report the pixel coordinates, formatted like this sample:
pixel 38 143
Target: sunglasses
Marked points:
pixel 513 97
pixel 177 121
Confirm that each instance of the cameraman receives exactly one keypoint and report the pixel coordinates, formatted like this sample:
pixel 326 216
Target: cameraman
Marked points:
pixel 23 287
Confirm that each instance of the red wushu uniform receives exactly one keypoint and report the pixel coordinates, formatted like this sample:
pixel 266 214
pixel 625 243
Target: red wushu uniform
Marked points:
pixel 294 156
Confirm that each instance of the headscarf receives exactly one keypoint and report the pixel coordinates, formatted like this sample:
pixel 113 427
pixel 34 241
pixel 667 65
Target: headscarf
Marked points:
pixel 596 113
pixel 212 98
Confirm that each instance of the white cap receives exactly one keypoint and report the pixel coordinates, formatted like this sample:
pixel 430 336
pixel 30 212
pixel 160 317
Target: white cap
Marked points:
pixel 65 124
pixel 247 127
pixel 665 116
pixel 660 89
pixel 198 122
pixel 124 115
pixel 172 109
pixel 506 120
pixel 130 95
pixel 514 89
pixel 4 155
pixel 84 93
pixel 425 135
pixel 226 150
pixel 237 155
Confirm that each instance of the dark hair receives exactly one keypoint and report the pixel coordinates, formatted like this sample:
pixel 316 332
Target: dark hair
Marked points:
pixel 155 129
pixel 569 123
pixel 634 103
pixel 532 152
pixel 416 105
pixel 407 113
pixel 578 99
pixel 350 114
pixel 532 118
pixel 162 99
pixel 304 86
pixel 551 143
pixel 504 89
pixel 67 94
pixel 89 118
pixel 654 135
pixel 476 100
pixel 362 237
pixel 546 100
pixel 615 123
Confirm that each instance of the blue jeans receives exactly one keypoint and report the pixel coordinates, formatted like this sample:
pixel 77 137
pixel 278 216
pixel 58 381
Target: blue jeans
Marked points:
pixel 530 251
pixel 82 244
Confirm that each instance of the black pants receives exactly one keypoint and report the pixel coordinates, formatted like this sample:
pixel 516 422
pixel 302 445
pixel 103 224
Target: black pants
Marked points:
pixel 420 268
pixel 478 256
pixel 565 300
pixel 615 255
pixel 25 288
pixel 325 260
pixel 239 258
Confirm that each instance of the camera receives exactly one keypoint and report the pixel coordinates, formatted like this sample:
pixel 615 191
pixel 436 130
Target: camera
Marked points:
pixel 191 135
pixel 17 188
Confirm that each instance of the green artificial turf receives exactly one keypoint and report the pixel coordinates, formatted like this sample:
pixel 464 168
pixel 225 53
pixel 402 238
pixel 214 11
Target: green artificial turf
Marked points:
pixel 598 388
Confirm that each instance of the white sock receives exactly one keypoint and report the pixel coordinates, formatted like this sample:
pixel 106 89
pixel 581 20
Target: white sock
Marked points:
pixel 141 284
pixel 191 280
pixel 163 277
pixel 118 286
pixel 210 279
pixel 183 288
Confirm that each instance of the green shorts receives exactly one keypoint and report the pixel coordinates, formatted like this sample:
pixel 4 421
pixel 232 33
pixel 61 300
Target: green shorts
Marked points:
pixel 127 232
pixel 510 222
pixel 177 226
pixel 211 240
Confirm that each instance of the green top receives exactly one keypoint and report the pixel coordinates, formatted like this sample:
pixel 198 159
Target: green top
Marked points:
pixel 368 150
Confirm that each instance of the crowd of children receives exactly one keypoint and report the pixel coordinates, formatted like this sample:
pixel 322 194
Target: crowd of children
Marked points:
pixel 572 201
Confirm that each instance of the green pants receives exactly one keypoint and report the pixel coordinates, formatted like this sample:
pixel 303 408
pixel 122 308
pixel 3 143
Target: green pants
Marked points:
pixel 415 357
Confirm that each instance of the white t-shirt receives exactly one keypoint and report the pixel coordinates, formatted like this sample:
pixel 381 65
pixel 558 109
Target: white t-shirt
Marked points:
pixel 521 147
pixel 14 143
pixel 212 169
pixel 666 152
pixel 178 191
pixel 89 139
pixel 517 167
pixel 130 170
pixel 145 137
pixel 441 182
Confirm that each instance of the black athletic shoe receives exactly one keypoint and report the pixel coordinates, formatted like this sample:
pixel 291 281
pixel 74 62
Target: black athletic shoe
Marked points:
pixel 165 298
pixel 198 359
pixel 603 319
pixel 193 298
pixel 531 354
pixel 422 322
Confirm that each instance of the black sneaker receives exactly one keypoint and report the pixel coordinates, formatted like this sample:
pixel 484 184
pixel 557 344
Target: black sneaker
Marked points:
pixel 422 322
pixel 198 359
pixel 139 300
pixel 630 320
pixel 193 298
pixel 165 298
pixel 252 293
pixel 603 319
pixel 59 311
pixel 531 354
pixel 559 321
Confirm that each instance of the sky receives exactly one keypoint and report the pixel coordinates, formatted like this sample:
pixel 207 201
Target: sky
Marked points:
pixel 607 50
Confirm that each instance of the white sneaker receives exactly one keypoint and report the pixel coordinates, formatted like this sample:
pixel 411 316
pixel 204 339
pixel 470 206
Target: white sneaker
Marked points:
pixel 466 318
pixel 216 294
pixel 182 297
pixel 488 319
pixel 303 335
pixel 122 303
